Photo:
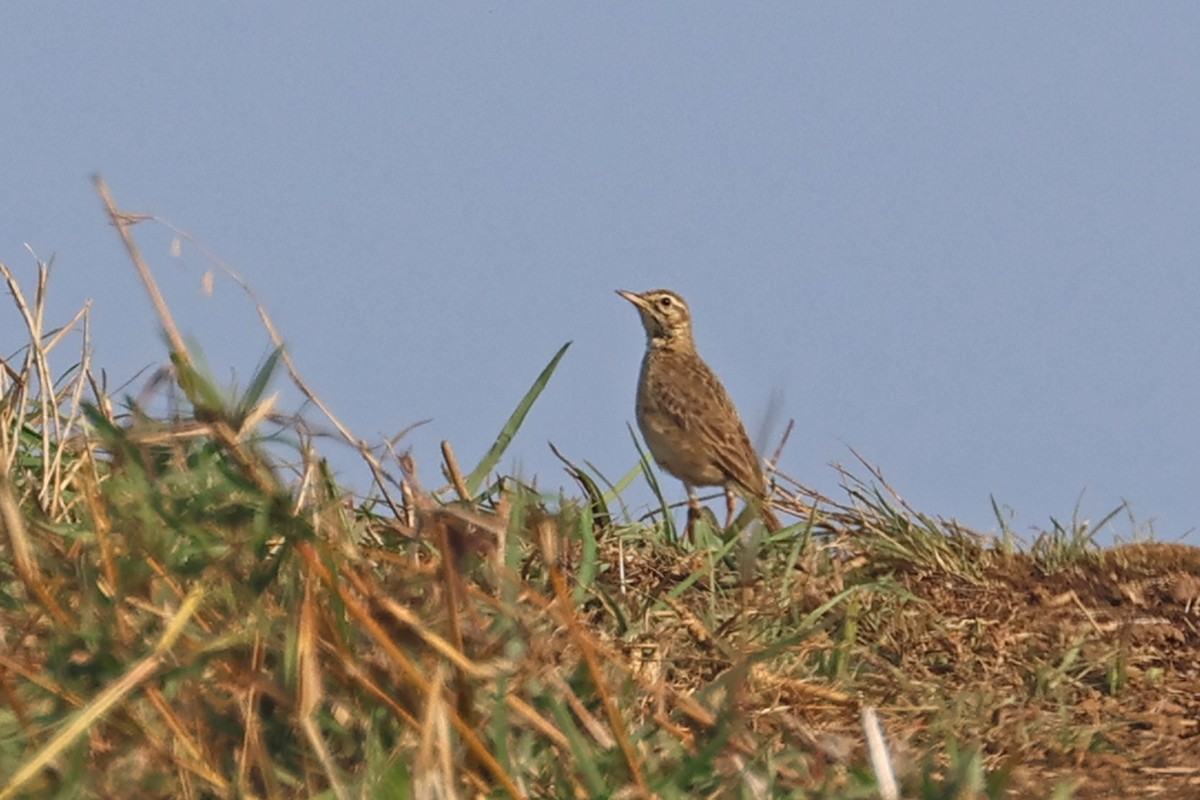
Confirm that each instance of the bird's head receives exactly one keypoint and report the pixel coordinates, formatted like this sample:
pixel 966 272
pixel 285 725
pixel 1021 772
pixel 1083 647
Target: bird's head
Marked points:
pixel 665 316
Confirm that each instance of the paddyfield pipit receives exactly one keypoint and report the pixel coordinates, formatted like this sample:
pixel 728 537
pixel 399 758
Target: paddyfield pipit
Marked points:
pixel 686 417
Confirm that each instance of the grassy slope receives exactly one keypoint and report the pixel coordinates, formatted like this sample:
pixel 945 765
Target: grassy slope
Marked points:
pixel 183 616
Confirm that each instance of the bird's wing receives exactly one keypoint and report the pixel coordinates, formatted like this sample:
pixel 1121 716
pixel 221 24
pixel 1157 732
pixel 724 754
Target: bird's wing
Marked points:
pixel 701 407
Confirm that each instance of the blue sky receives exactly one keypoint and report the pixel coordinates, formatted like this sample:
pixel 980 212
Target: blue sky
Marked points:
pixel 962 239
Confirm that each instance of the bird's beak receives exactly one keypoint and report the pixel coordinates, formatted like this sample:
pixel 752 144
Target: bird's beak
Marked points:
pixel 636 299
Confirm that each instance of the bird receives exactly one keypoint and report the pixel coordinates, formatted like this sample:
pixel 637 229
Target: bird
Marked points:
pixel 689 423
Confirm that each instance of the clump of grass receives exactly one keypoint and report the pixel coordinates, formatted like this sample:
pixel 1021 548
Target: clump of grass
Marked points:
pixel 196 608
pixel 1066 545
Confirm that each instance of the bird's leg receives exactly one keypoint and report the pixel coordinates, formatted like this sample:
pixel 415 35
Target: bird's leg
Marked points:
pixel 730 502
pixel 693 514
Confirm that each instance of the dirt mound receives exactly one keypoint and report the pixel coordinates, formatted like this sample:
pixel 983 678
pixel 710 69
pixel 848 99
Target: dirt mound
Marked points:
pixel 1084 677
pixel 1093 669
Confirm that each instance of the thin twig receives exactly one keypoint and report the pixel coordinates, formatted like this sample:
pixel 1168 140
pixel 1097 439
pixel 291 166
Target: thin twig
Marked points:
pixel 122 221
pixel 453 473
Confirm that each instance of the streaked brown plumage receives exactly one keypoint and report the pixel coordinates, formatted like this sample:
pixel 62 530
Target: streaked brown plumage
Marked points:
pixel 689 423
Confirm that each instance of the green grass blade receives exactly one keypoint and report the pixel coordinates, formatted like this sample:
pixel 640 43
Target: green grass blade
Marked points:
pixel 589 557
pixel 475 479
pixel 618 488
pixel 258 384
pixel 193 378
pixel 596 502
pixel 644 461
pixel 614 491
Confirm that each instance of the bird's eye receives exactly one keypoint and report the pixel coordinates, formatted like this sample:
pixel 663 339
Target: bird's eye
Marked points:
pixel 665 302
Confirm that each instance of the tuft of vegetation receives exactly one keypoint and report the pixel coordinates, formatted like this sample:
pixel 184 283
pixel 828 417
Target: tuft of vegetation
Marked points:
pixel 191 606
